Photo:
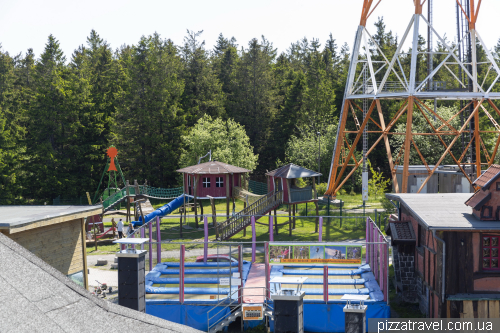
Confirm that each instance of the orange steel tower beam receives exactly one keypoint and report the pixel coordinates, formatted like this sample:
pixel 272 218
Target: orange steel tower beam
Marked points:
pixel 386 79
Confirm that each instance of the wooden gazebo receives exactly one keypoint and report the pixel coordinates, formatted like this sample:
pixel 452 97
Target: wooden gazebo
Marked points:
pixel 285 179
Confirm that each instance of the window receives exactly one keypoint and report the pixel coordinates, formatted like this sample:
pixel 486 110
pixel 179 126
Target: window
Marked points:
pixel 219 182
pixel 498 186
pixel 490 252
pixel 486 212
pixel 206 182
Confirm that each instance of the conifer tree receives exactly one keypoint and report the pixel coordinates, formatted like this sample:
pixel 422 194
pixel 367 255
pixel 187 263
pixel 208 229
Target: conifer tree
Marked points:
pixel 203 91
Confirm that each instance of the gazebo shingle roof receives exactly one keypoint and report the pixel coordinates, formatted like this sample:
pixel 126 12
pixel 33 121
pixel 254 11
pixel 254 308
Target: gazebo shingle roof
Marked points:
pixel 291 171
pixel 213 167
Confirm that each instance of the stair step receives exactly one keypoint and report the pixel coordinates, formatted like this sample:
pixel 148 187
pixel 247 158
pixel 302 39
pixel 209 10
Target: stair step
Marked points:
pixel 225 323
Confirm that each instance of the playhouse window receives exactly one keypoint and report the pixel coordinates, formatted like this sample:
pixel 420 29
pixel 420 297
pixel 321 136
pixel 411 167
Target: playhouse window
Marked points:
pixel 490 252
pixel 206 182
pixel 219 182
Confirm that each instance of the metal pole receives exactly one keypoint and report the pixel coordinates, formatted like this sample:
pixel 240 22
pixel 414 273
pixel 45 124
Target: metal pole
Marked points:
pixel 319 157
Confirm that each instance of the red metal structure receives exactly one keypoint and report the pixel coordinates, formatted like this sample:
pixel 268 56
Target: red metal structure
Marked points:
pixel 474 85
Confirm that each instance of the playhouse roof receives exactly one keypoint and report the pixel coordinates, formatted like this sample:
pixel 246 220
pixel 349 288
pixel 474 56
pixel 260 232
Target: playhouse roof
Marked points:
pixel 37 297
pixel 291 171
pixel 213 167
pixel 488 176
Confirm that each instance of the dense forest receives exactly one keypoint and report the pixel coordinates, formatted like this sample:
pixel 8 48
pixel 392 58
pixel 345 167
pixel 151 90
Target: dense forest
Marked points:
pixel 59 113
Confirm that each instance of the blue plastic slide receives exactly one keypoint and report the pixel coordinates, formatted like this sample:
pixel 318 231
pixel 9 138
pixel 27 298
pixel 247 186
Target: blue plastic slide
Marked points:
pixel 164 210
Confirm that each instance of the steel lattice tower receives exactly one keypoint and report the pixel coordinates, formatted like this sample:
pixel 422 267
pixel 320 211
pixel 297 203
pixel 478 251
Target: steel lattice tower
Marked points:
pixel 386 79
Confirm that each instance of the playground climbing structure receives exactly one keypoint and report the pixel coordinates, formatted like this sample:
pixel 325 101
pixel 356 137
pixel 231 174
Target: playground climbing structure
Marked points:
pixel 374 77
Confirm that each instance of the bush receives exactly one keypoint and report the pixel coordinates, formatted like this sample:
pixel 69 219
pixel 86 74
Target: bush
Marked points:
pixel 321 188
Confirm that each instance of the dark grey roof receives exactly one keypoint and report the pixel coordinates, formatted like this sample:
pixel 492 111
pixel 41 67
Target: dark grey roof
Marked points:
pixel 443 211
pixel 35 297
pixel 213 167
pixel 18 216
pixel 291 171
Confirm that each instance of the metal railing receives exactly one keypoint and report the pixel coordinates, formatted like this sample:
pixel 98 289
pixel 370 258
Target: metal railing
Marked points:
pixel 236 304
pixel 242 219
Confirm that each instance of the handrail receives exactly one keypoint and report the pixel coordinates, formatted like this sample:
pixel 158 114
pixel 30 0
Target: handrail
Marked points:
pixel 230 296
pixel 241 219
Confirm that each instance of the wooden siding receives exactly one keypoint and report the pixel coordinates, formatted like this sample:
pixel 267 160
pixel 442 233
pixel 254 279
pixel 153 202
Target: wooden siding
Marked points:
pixel 473 309
pixel 59 245
pixel 213 190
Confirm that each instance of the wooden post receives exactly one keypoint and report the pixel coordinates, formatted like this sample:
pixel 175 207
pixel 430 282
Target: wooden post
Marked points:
pixel 201 208
pixel 214 216
pixel 288 184
pixel 195 194
pixel 294 207
pixel 289 221
pixel 84 255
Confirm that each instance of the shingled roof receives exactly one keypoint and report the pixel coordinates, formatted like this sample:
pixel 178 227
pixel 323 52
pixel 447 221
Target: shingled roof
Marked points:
pixel 291 171
pixel 35 297
pixel 401 232
pixel 478 199
pixel 213 167
pixel 487 178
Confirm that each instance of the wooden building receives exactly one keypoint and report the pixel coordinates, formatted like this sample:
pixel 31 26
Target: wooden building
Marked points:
pixel 285 179
pixel 212 180
pixel 450 259
pixel 55 234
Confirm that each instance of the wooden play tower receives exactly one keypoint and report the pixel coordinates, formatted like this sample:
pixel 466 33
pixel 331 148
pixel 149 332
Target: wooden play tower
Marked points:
pixel 374 77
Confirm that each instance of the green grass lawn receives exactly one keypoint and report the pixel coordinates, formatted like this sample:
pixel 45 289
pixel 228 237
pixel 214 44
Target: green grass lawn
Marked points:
pixel 350 226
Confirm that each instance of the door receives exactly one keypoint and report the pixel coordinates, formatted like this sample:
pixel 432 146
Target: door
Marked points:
pixel 420 181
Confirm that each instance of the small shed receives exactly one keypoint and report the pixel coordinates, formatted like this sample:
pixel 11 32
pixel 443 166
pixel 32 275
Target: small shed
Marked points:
pixel 452 180
pixel 416 177
pixel 214 179
pixel 55 234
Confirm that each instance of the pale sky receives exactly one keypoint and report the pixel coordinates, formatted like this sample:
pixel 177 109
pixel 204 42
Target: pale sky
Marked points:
pixel 27 24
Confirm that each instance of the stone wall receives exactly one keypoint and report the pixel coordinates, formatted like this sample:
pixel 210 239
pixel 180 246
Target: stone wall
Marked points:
pixel 404 270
